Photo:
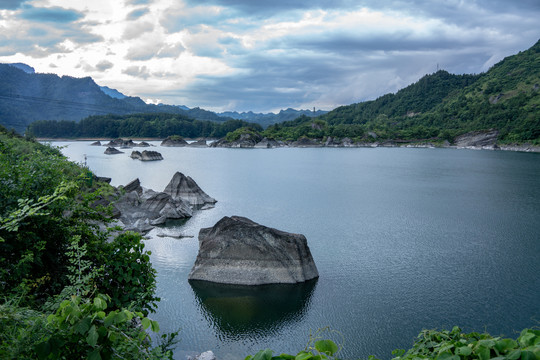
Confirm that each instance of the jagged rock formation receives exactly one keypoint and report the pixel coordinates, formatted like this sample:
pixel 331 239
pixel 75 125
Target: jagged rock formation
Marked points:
pixel 174 141
pixel 112 151
pixel 185 188
pixel 146 155
pixel 141 209
pixel 96 143
pixel 239 251
pixel 482 139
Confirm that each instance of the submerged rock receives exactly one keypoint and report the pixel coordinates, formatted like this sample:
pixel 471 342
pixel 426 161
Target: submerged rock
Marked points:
pixel 96 143
pixel 112 151
pixel 239 251
pixel 146 155
pixel 185 188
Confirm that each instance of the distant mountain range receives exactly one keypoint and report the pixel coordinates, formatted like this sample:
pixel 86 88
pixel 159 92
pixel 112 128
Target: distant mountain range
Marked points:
pixel 27 96
pixel 270 118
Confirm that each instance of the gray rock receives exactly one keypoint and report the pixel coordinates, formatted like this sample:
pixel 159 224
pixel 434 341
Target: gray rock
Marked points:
pixel 112 151
pixel 185 188
pixel 134 185
pixel 266 143
pixel 477 139
pixel 175 141
pixel 199 143
pixel 121 143
pixel 144 144
pixel 239 251
pixel 146 155
pixel 247 140
pixel 96 143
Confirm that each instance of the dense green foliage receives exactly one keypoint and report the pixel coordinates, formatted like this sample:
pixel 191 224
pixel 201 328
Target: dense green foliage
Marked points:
pixel 59 271
pixel 432 344
pixel 138 125
pixel 439 107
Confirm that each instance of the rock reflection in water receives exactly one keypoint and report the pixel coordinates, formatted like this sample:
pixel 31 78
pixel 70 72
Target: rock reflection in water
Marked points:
pixel 239 311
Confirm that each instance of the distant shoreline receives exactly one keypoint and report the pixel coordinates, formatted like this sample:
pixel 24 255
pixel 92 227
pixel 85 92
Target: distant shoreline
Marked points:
pixel 502 147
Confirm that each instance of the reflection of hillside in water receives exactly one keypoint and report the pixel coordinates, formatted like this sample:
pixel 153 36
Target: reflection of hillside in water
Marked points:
pixel 238 311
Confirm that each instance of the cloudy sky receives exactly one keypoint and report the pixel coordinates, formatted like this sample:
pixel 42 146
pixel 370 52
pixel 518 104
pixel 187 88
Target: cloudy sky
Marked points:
pixel 263 55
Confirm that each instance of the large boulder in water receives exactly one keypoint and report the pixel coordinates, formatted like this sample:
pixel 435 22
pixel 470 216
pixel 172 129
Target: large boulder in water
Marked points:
pixel 185 188
pixel 239 251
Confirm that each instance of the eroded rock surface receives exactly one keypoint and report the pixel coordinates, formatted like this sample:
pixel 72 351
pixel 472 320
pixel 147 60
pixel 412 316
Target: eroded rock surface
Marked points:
pixel 146 155
pixel 112 151
pixel 482 139
pixel 239 251
pixel 174 141
pixel 185 188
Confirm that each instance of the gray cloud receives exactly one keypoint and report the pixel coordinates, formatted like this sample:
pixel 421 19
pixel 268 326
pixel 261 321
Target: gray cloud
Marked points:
pixel 104 65
pixel 134 30
pixel 52 14
pixel 137 71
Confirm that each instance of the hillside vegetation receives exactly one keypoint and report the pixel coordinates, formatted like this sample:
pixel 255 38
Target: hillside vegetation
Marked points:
pixel 440 106
pixel 69 290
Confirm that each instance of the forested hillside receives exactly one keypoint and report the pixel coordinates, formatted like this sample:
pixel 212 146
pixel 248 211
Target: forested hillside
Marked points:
pixel 441 106
pixel 138 125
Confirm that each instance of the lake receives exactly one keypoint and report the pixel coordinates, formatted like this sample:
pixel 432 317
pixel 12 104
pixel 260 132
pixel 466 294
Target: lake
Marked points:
pixel 404 239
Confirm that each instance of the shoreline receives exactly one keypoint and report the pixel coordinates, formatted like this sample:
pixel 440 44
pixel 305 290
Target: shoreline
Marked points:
pixel 387 144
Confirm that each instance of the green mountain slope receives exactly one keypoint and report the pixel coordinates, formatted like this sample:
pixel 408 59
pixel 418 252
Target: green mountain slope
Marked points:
pixel 441 105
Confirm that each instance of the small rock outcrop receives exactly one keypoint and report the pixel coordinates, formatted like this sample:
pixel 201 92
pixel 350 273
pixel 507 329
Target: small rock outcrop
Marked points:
pixel 171 141
pixel 146 155
pixel 247 140
pixel 480 139
pixel 112 151
pixel 199 143
pixel 185 188
pixel 266 143
pixel 239 251
pixel 96 143
pixel 121 143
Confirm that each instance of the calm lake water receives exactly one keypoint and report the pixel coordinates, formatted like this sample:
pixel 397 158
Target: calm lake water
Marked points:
pixel 404 239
